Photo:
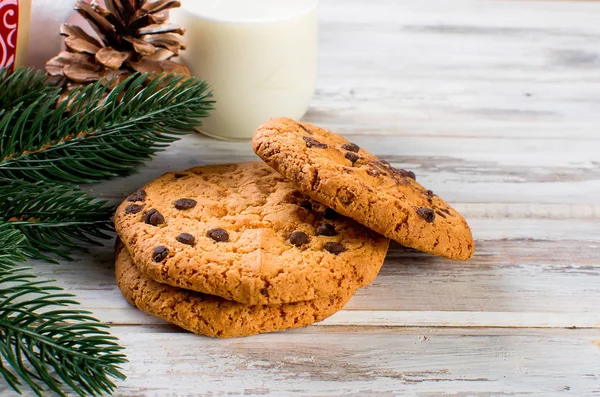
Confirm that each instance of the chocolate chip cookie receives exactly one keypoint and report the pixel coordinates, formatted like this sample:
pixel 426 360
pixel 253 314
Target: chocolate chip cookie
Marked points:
pixel 213 316
pixel 355 183
pixel 244 233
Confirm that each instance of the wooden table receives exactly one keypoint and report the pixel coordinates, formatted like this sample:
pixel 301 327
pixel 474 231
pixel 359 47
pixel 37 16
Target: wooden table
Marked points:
pixel 496 106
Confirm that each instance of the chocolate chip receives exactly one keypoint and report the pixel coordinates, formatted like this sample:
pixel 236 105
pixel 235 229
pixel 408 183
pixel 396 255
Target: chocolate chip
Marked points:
pixel 186 238
pixel 264 291
pixel 139 195
pixel 305 129
pixel 330 214
pixel 426 213
pixel 430 195
pixel 404 173
pixel 154 218
pixel 184 203
pixel 160 253
pixel 353 157
pixel 334 248
pixel 384 162
pixel 134 208
pixel 446 210
pixel 305 204
pixel 298 238
pixel 312 142
pixel 440 213
pixel 351 147
pixel 326 229
pixel 177 176
pixel 218 234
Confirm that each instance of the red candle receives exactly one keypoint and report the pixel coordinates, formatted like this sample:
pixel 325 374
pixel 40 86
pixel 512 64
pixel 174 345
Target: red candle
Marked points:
pixel 9 21
pixel 14 32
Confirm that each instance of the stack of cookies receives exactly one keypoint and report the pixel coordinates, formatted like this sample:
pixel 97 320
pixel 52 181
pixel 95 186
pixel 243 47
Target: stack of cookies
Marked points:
pixel 240 249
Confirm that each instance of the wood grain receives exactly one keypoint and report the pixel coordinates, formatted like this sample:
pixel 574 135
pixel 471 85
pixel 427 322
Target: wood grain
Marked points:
pixel 357 361
pixel 495 105
pixel 474 170
pixel 461 68
pixel 509 283
pixel 365 363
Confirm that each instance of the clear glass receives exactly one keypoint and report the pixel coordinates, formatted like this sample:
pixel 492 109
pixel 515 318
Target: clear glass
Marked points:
pixel 44 39
pixel 260 58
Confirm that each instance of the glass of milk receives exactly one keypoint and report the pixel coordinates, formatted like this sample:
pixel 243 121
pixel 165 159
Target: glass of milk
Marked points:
pixel 259 56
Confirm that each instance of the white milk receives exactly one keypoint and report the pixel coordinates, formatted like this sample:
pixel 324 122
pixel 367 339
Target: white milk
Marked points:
pixel 259 56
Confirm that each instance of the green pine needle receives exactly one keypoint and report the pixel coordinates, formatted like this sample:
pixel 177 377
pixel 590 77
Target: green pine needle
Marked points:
pixel 24 86
pixel 45 343
pixel 98 133
pixel 10 240
pixel 95 134
pixel 54 217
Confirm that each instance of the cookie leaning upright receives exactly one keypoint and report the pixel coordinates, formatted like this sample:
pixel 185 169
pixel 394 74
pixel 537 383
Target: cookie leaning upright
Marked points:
pixel 357 184
pixel 244 233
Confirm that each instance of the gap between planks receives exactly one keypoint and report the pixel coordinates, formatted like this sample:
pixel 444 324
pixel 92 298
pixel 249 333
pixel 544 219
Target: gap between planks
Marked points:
pixel 591 334
pixel 507 283
pixel 489 178
pixel 359 362
pixel 405 319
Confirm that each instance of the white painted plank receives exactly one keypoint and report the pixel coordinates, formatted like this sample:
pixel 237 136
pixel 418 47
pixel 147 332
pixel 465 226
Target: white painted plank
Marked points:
pixel 495 106
pixel 529 210
pixel 535 229
pixel 488 319
pixel 127 315
pixel 360 362
pixel 466 170
pixel 527 283
pixel 460 68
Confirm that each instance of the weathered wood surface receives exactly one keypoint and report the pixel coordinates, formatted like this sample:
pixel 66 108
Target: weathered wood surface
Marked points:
pixel 496 106
pixel 364 361
pixel 508 283
pixel 460 68
pixel 563 175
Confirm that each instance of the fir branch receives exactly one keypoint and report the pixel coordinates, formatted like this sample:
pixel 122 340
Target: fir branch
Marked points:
pixel 10 240
pixel 98 133
pixel 23 86
pixel 53 217
pixel 60 347
pixel 45 341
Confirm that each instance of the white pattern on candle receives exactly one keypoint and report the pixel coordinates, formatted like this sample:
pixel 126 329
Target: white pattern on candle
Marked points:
pixel 8 10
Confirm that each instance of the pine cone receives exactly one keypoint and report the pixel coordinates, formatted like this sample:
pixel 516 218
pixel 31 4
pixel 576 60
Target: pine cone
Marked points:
pixel 132 37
